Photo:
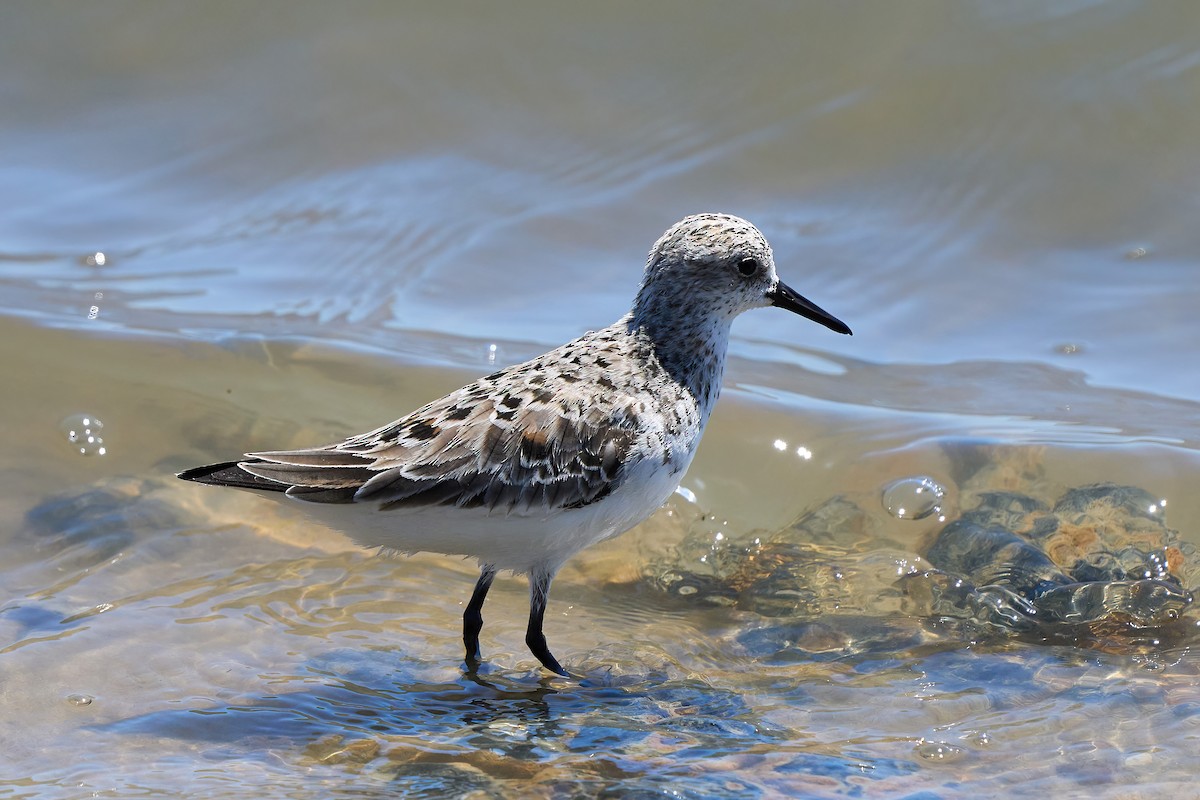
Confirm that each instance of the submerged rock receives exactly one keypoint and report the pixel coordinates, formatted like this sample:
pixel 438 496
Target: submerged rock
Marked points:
pixel 1103 557
pixel 987 555
pixel 1098 567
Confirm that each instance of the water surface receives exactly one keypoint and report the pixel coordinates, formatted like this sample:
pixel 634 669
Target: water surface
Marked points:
pixel 313 219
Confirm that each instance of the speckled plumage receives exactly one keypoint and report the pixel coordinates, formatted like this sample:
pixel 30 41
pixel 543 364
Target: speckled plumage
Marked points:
pixel 527 466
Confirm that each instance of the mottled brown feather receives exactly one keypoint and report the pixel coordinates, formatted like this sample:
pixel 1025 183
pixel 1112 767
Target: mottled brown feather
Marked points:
pixel 509 457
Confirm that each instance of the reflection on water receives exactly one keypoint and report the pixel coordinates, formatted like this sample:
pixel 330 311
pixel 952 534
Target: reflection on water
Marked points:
pixel 283 223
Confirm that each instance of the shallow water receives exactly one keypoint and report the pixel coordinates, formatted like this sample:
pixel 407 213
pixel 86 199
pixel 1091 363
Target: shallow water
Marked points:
pixel 312 219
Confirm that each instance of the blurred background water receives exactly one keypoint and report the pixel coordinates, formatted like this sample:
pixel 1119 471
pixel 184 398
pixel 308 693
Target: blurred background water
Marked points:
pixel 235 225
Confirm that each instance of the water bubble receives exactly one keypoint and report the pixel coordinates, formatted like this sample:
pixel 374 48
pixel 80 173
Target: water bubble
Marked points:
pixel 913 498
pixel 94 310
pixel 982 739
pixel 80 699
pixel 83 432
pixel 940 752
pixel 686 494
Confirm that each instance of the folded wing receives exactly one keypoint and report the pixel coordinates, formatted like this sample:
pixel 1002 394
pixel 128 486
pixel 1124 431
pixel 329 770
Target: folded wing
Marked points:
pixel 471 449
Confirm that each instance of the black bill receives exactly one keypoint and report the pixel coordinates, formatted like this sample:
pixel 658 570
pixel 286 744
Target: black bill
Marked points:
pixel 784 296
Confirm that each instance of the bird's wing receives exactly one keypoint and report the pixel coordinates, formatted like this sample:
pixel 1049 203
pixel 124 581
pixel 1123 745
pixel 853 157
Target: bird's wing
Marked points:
pixel 512 453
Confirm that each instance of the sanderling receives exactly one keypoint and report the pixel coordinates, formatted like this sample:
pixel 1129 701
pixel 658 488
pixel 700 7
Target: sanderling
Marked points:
pixel 527 466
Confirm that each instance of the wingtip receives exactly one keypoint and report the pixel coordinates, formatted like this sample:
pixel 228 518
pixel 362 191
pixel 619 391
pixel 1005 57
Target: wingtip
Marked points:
pixel 229 473
pixel 198 474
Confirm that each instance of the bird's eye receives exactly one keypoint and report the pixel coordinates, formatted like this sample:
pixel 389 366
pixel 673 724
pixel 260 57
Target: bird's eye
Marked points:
pixel 747 267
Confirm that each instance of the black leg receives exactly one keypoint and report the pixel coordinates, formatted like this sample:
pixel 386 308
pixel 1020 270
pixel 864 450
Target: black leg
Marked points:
pixel 539 589
pixel 473 616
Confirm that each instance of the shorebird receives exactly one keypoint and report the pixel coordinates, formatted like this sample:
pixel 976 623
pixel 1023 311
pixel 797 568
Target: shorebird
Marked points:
pixel 525 467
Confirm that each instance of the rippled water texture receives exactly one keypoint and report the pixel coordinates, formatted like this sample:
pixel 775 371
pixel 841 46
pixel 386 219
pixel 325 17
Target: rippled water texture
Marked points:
pixel 232 226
